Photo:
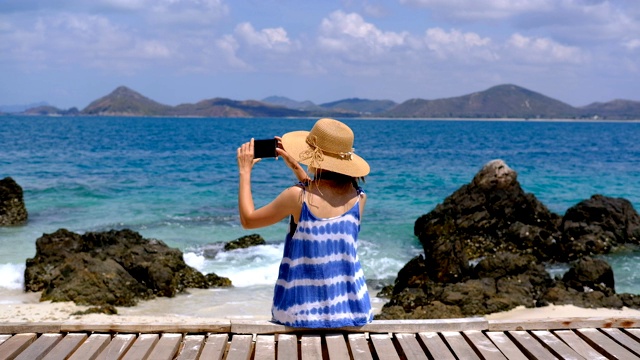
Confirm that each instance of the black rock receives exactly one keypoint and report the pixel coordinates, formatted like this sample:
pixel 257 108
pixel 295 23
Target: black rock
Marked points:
pixel 488 215
pixel 245 242
pixel 109 268
pixel 588 273
pixel 597 226
pixel 12 208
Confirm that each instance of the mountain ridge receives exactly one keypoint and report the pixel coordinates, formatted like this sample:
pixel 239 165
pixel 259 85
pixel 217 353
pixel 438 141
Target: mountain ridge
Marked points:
pixel 500 101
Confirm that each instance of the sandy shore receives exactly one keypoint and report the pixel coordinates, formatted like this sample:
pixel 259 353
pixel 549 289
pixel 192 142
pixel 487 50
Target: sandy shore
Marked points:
pixel 228 304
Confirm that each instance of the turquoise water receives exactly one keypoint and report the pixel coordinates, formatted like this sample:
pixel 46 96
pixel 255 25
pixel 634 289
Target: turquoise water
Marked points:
pixel 176 180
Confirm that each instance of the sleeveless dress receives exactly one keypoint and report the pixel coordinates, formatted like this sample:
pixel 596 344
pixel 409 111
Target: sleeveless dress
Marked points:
pixel 320 281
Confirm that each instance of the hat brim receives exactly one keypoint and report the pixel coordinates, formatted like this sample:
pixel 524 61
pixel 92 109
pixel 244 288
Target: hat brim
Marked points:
pixel 295 143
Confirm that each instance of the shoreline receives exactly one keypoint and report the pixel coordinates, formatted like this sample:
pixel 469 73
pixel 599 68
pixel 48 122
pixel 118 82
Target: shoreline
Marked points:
pixel 505 119
pixel 232 304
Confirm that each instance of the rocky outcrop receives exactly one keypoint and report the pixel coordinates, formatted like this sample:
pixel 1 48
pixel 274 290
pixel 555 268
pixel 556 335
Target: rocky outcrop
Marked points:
pixel 501 282
pixel 12 208
pixel 488 215
pixel 245 242
pixel 210 251
pixel 109 268
pixel 511 235
pixel 589 283
pixel 597 226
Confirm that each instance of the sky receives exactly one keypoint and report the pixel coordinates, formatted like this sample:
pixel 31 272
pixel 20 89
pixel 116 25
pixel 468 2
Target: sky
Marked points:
pixel 71 52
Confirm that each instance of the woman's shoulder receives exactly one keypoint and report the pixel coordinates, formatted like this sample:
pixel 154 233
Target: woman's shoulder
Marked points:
pixel 294 190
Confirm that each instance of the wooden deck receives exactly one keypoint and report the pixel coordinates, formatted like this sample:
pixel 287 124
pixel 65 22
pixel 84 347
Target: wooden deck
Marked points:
pixel 472 338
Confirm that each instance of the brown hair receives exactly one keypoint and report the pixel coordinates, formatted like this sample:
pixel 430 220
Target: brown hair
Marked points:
pixel 337 177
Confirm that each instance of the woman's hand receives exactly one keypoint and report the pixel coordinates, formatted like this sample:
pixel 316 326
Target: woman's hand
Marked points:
pixel 288 159
pixel 300 173
pixel 245 157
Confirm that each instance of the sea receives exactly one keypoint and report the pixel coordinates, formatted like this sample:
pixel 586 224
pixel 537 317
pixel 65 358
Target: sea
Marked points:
pixel 175 179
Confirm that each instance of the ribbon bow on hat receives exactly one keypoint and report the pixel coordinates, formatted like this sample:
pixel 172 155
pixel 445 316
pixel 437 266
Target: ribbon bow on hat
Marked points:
pixel 316 154
pixel 328 146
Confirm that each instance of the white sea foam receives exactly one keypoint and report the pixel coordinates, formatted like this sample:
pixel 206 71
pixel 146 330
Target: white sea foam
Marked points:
pixel 12 276
pixel 194 260
pixel 257 265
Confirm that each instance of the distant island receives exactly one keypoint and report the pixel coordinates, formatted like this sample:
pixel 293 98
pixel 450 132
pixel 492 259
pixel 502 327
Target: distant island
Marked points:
pixel 499 102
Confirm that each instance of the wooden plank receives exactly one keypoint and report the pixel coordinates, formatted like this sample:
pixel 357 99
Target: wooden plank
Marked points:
pixel 215 346
pixel 39 348
pixel 376 326
pixel 260 327
pixel 117 347
pixel 624 339
pixel 530 346
pixel 153 328
pixel 384 347
pixel 557 346
pixel 436 346
pixel 506 346
pixel 287 347
pixel 563 323
pixel 167 347
pixel 68 345
pixel 416 326
pixel 311 347
pixel 13 346
pixel 191 347
pixel 265 347
pixel 459 345
pixel 483 345
pixel 142 347
pixel 90 349
pixel 241 347
pixel 580 346
pixel 29 327
pixel 633 332
pixel 359 345
pixel 337 347
pixel 4 338
pixel 410 346
pixel 603 343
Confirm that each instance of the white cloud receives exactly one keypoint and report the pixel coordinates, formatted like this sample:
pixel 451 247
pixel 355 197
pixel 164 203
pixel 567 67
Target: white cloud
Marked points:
pixel 153 49
pixel 351 35
pixel 589 22
pixel 483 9
pixel 186 12
pixel 632 44
pixel 82 40
pixel 542 50
pixel 458 44
pixel 228 45
pixel 250 49
pixel 271 38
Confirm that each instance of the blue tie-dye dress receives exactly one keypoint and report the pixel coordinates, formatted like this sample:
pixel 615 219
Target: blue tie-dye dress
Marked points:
pixel 320 282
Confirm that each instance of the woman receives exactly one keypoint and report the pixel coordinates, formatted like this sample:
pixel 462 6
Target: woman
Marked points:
pixel 320 281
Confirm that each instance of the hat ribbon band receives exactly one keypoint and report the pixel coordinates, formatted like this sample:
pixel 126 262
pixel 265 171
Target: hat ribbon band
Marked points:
pixel 316 154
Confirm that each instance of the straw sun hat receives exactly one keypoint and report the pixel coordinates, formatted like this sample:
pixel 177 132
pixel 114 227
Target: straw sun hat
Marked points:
pixel 328 146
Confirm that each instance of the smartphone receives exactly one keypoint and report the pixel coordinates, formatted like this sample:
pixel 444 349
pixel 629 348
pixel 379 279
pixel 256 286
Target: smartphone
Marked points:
pixel 265 148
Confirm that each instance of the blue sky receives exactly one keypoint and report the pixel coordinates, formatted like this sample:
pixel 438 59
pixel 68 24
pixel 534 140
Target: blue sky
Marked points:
pixel 70 52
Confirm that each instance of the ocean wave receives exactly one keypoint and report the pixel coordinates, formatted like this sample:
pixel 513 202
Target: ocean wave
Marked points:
pixel 12 276
pixel 256 265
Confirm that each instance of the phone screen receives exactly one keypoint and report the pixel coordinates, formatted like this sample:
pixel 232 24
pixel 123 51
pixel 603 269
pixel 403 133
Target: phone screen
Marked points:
pixel 264 148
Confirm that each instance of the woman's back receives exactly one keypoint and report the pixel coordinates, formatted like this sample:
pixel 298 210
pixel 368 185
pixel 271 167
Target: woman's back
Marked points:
pixel 320 281
pixel 329 198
